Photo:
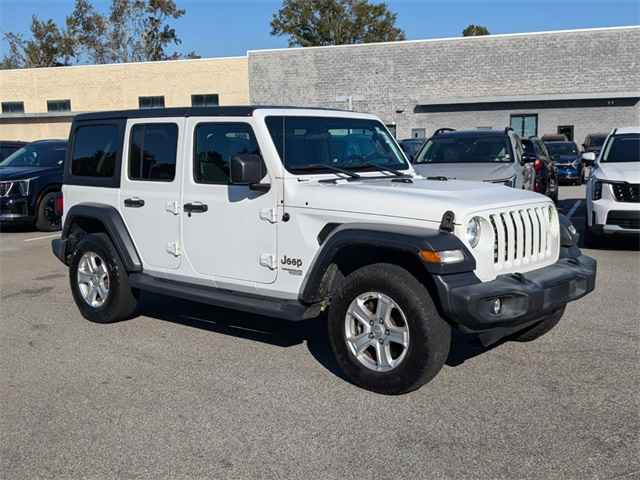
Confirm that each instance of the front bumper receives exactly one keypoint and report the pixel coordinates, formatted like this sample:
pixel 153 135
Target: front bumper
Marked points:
pixel 526 298
pixel 14 209
pixel 615 218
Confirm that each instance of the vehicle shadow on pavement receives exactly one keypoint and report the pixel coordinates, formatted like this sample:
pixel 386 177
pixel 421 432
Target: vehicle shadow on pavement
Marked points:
pixel 277 332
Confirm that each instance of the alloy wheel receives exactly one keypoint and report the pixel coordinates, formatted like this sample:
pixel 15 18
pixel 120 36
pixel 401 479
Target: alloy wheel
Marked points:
pixel 376 331
pixel 93 279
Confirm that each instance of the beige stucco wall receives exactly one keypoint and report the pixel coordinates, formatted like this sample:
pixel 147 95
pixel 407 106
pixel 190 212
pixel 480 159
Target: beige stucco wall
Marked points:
pixel 113 87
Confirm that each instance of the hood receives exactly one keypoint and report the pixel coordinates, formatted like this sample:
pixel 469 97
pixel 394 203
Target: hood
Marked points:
pixel 423 199
pixel 19 173
pixel 623 171
pixel 467 171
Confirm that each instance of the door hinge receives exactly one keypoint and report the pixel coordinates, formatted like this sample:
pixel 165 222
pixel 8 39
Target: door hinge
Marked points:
pixel 268 260
pixel 173 206
pixel 174 249
pixel 269 215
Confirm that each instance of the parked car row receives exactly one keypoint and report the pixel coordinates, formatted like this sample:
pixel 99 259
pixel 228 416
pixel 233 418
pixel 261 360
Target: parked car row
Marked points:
pixel 31 182
pixel 539 164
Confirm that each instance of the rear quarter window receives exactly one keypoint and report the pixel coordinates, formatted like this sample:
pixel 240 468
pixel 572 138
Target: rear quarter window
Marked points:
pixel 95 155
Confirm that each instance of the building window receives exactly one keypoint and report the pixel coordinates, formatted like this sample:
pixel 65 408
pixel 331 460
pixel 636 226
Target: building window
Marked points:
pixel 151 102
pixel 206 100
pixel 418 132
pixel 58 105
pixel 525 125
pixel 152 152
pixel 567 131
pixel 12 107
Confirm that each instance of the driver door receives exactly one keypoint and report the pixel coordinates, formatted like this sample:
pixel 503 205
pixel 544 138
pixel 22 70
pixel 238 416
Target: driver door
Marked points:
pixel 229 231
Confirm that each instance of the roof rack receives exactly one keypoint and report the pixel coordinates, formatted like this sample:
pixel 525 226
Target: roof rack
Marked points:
pixel 442 130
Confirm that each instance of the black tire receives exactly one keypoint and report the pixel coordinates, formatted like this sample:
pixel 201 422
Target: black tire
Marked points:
pixel 539 329
pixel 120 304
pixel 46 218
pixel 429 334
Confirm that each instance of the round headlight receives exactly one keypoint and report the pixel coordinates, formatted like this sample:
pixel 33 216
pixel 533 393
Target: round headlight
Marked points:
pixel 473 231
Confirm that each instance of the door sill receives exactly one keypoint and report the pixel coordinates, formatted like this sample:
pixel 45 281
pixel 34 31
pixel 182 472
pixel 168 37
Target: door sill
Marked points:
pixel 291 310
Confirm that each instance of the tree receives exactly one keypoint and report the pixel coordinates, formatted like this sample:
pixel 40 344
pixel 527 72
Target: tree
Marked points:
pixel 475 31
pixel 48 47
pixel 133 31
pixel 310 23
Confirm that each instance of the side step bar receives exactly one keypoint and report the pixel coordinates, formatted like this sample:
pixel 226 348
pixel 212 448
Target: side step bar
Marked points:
pixel 291 310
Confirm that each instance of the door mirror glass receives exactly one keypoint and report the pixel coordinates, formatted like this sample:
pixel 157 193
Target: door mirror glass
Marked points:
pixel 246 169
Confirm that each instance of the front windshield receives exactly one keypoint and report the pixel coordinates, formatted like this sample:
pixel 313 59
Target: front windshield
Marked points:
pixel 466 149
pixel 36 155
pixel 308 144
pixel 622 148
pixel 556 149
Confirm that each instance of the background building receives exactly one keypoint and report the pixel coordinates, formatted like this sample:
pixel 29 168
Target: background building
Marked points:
pixel 576 82
pixel 40 103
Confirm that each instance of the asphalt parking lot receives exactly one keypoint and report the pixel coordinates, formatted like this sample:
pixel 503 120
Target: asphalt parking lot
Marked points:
pixel 189 391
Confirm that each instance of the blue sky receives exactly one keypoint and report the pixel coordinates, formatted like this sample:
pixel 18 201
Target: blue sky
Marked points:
pixel 231 27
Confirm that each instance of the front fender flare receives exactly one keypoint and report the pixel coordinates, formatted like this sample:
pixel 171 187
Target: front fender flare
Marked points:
pixel 402 239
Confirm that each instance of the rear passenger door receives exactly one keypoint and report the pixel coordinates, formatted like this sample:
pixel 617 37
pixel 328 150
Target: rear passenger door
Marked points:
pixel 150 189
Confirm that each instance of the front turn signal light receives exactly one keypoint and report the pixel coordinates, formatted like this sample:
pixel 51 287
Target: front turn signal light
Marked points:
pixel 444 257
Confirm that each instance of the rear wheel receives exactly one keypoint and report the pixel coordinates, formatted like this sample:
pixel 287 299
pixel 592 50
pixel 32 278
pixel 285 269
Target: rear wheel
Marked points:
pixel 540 328
pixel 99 282
pixel 47 220
pixel 385 331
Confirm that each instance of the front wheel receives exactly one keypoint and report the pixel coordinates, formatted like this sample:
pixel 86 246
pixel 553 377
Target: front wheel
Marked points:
pixel 385 330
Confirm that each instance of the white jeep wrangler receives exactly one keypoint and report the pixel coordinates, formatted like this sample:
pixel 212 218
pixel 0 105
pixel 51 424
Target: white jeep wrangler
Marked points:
pixel 289 212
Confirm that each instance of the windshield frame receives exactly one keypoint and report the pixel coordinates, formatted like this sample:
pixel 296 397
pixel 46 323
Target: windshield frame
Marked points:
pixel 402 163
pixel 507 140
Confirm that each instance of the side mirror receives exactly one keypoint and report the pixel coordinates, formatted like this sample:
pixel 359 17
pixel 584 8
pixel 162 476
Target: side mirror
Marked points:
pixel 588 158
pixel 248 169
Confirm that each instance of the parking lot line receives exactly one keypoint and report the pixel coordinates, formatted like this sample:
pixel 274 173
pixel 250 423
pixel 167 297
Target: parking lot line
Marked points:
pixel 573 209
pixel 42 238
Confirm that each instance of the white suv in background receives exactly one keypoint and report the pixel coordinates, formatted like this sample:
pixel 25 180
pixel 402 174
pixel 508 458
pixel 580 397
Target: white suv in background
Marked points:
pixel 613 191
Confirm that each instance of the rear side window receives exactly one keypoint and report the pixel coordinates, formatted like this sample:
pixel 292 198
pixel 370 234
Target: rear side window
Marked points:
pixel 152 152
pixel 95 149
pixel 215 145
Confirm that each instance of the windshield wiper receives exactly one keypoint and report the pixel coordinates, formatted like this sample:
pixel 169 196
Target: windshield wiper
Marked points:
pixel 381 168
pixel 319 166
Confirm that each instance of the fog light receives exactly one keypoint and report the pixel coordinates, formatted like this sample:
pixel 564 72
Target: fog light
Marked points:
pixel 497 306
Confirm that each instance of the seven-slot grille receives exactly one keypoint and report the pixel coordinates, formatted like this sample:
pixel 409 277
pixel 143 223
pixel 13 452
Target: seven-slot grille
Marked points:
pixel 626 192
pixel 522 236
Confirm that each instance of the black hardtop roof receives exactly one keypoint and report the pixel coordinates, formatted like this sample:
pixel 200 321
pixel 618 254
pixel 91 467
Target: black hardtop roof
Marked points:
pixel 227 111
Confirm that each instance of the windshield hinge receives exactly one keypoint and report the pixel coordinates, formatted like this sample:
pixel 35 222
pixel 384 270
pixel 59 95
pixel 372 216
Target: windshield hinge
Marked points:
pixel 268 260
pixel 269 215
